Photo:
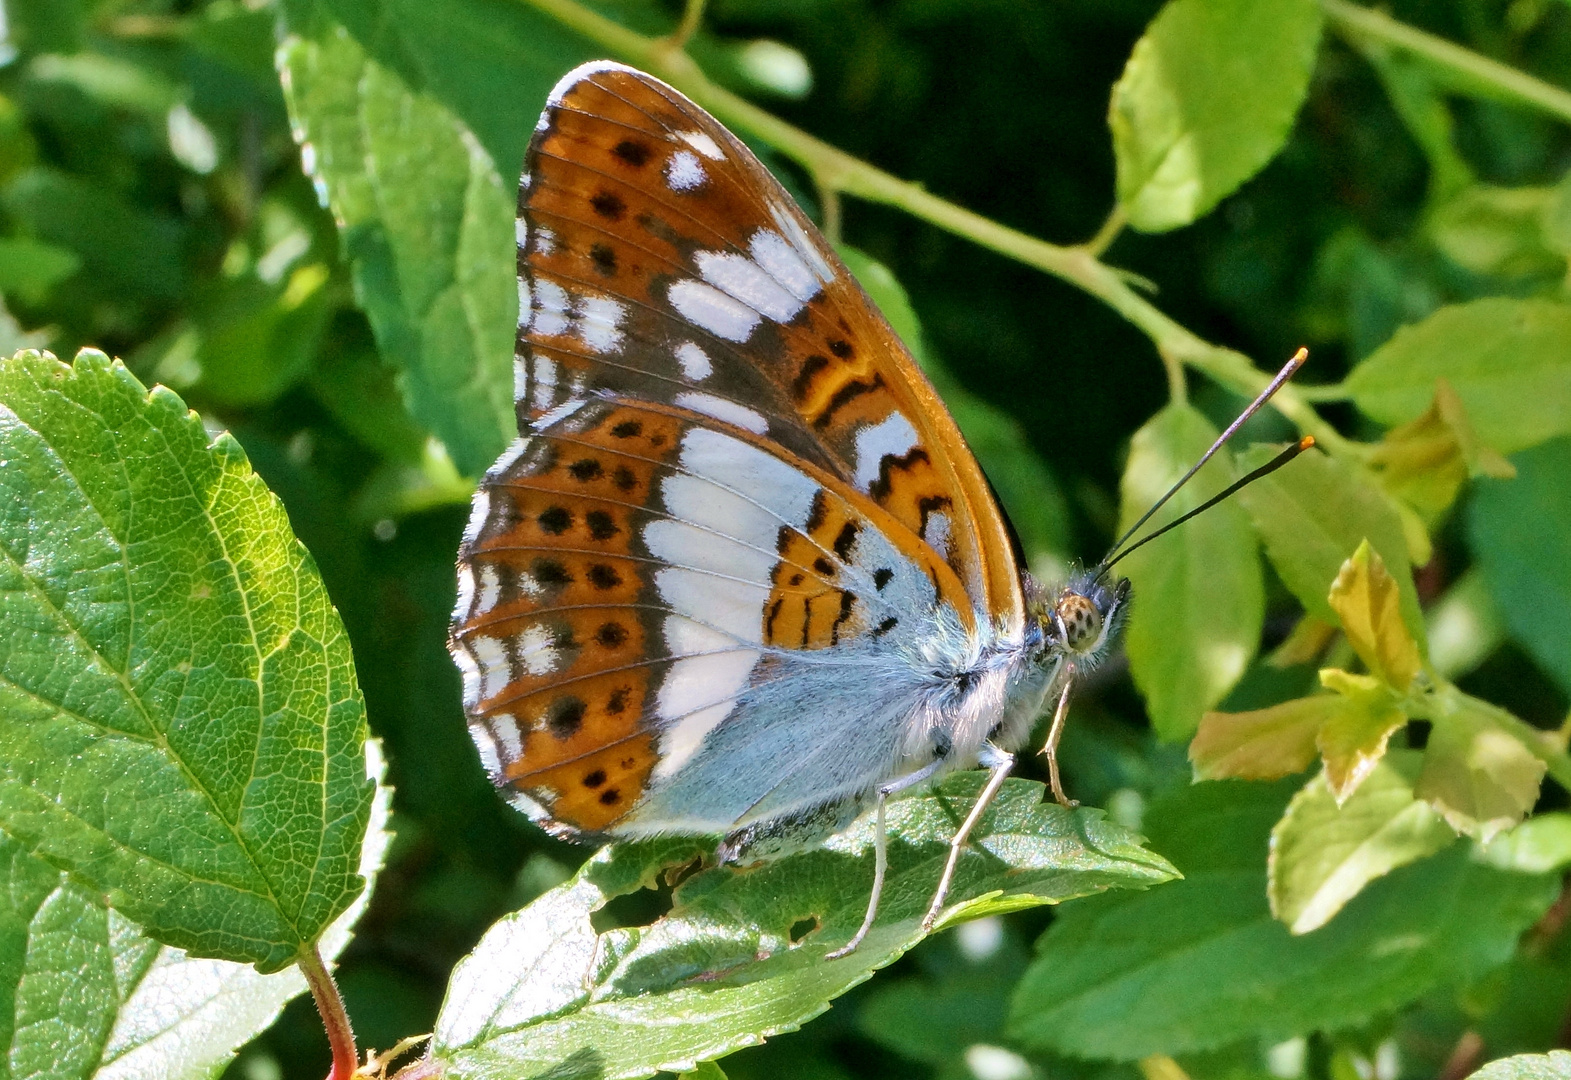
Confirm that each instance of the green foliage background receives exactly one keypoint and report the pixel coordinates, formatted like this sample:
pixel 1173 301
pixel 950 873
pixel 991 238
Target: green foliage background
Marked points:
pixel 153 205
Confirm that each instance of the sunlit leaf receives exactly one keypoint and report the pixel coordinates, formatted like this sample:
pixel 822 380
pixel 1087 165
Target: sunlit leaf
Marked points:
pixel 1324 852
pixel 1209 966
pixel 1206 99
pixel 1481 778
pixel 1312 515
pixel 181 725
pixel 1354 736
pixel 543 990
pixel 1509 361
pixel 1199 595
pixel 1261 745
pixel 1426 461
pixel 1555 1065
pixel 1520 533
pixel 1539 845
pixel 1367 602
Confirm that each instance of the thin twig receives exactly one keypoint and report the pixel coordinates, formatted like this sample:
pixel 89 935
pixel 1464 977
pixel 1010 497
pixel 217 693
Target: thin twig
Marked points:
pixel 1480 71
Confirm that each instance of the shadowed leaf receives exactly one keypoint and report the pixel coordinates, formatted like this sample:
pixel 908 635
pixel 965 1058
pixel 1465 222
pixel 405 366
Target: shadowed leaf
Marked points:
pixel 1368 604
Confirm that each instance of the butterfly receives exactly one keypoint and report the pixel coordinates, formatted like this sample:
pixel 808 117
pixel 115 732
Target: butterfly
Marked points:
pixel 740 573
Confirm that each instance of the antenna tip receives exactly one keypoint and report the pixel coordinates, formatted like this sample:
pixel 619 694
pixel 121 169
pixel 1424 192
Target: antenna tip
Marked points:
pixel 1306 442
pixel 1301 355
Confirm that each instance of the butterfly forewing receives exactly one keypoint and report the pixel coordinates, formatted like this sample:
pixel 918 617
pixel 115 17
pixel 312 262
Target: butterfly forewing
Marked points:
pixel 660 260
pixel 730 472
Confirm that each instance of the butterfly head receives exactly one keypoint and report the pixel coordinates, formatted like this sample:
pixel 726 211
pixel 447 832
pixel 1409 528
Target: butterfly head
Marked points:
pixel 1081 619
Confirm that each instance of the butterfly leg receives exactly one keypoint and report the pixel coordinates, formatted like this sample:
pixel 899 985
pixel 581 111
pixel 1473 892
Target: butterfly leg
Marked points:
pixel 1050 748
pixel 881 854
pixel 999 762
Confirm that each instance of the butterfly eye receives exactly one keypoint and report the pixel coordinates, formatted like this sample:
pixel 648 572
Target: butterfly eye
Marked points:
pixel 1081 622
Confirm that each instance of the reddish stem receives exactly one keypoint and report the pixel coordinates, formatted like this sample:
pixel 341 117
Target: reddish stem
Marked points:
pixel 340 1036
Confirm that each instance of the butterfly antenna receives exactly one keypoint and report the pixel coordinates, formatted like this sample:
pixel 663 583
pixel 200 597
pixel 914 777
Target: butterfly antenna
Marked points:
pixel 1287 372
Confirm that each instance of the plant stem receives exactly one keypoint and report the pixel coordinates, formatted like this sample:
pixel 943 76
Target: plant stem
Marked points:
pixel 839 171
pixel 692 16
pixel 1116 220
pixel 1479 71
pixel 330 1004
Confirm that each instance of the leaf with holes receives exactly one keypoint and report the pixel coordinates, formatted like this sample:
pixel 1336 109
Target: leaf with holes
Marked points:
pixel 741 954
pixel 179 721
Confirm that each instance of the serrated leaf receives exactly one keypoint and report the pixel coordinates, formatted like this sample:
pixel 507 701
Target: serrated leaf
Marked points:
pixel 1426 461
pixel 1509 360
pixel 1312 515
pixel 1480 778
pixel 1368 604
pixel 1265 744
pixel 1555 1065
pixel 426 222
pixel 1207 98
pixel 98 998
pixel 1354 736
pixel 1208 965
pixel 179 721
pixel 1199 594
pixel 1520 533
pixel 1029 492
pixel 544 991
pixel 1323 852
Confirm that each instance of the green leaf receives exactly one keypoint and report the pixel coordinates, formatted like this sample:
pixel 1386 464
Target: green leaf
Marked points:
pixel 1424 111
pixel 1480 777
pixel 1353 738
pixel 1555 1065
pixel 1207 98
pixel 179 721
pixel 30 269
pixel 427 226
pixel 1029 492
pixel 1264 744
pixel 1201 963
pixel 88 994
pixel 1323 854
pixel 706 1070
pixel 1312 516
pixel 1367 602
pixel 1498 230
pixel 1520 533
pixel 543 991
pixel 1539 845
pixel 1509 361
pixel 1199 596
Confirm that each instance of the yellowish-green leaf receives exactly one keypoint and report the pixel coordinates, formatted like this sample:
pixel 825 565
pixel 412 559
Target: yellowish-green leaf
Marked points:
pixel 1539 845
pixel 1324 851
pixel 1354 737
pixel 1304 644
pixel 1206 99
pixel 1481 778
pixel 1368 604
pixel 1425 461
pixel 1263 744
pixel 1498 230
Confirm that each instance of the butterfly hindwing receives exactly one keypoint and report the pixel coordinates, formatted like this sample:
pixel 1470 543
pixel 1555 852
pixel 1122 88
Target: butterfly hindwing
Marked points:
pixel 659 260
pixel 634 585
